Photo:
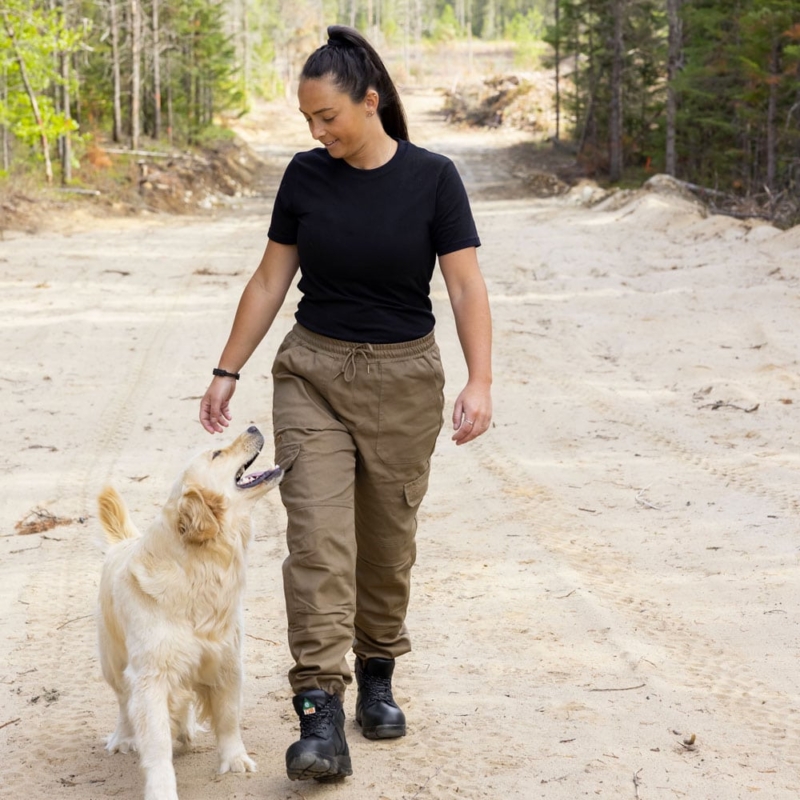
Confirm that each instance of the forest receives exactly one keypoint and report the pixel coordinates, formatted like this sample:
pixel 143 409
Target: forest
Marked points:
pixel 707 91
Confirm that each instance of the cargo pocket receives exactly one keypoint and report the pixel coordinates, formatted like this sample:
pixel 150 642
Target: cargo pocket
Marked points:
pixel 415 490
pixel 285 453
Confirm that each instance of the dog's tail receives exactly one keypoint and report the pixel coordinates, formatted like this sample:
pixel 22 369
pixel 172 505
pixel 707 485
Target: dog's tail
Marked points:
pixel 114 516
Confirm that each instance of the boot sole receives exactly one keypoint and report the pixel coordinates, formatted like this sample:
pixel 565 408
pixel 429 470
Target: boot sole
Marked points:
pixel 383 731
pixel 310 766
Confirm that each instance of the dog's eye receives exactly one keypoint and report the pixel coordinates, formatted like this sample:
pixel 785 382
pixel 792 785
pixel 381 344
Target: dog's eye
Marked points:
pixel 215 454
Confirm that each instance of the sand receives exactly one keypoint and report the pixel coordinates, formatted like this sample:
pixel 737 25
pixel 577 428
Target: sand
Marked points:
pixel 609 574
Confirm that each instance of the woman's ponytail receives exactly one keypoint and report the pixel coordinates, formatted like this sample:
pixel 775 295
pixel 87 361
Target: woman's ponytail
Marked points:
pixel 355 66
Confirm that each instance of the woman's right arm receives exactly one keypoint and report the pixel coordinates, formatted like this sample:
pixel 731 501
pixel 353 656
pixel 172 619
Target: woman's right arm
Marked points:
pixel 259 305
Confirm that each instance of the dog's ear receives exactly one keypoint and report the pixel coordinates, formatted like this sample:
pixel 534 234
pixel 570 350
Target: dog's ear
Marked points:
pixel 200 514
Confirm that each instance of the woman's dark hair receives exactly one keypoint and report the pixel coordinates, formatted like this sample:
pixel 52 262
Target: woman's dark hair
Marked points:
pixel 355 66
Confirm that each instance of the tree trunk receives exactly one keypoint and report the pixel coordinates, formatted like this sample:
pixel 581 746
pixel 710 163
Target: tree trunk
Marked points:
pixel 115 70
pixel 589 123
pixel 136 80
pixel 191 111
pixel 615 121
pixel 489 20
pixel 246 67
pixel 23 72
pixel 406 11
pixel 4 98
pixel 673 62
pixel 55 94
pixel 66 144
pixel 772 113
pixel 557 15
pixel 65 141
pixel 75 91
pixel 170 120
pixel 156 73
pixel 469 37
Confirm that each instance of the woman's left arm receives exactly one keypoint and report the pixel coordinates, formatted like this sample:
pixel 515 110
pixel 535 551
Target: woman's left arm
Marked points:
pixel 472 413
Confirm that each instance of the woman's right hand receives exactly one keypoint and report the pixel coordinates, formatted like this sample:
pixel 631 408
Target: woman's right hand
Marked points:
pixel 260 302
pixel 215 411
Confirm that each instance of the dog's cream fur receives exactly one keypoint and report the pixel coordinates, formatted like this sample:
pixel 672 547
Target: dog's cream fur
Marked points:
pixel 170 616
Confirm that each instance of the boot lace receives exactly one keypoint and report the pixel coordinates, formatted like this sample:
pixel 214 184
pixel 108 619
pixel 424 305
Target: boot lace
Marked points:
pixel 316 724
pixel 377 690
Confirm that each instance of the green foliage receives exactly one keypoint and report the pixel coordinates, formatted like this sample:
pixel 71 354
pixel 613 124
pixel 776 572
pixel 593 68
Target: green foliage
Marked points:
pixel 214 135
pixel 527 30
pixel 445 26
pixel 492 18
pixel 201 71
pixel 24 126
pixel 584 36
pixel 206 80
pixel 267 81
pixel 738 101
pixel 31 41
pixel 741 62
pixel 737 89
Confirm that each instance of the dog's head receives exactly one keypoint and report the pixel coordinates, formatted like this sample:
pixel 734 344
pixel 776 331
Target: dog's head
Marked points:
pixel 216 493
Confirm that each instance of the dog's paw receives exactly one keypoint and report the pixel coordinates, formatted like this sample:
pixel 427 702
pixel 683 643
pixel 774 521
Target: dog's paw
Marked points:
pixel 186 736
pixel 236 762
pixel 118 743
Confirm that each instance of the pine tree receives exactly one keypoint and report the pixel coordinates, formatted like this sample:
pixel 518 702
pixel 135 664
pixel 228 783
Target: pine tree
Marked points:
pixel 618 53
pixel 737 87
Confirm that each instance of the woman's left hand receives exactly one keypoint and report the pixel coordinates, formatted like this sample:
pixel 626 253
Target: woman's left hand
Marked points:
pixel 472 413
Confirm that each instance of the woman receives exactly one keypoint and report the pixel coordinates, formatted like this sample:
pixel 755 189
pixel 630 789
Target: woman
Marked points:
pixel 358 383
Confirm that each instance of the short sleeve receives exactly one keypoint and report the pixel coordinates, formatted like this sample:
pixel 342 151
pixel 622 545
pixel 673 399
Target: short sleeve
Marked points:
pixel 454 227
pixel 283 225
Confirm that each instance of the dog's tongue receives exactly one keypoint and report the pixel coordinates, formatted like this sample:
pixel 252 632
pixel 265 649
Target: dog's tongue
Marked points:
pixel 254 478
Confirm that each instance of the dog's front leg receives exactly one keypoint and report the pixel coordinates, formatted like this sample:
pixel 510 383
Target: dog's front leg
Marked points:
pixel 123 740
pixel 224 702
pixel 149 712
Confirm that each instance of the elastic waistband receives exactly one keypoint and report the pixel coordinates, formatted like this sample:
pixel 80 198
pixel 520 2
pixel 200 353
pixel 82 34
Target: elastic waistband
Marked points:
pixel 395 350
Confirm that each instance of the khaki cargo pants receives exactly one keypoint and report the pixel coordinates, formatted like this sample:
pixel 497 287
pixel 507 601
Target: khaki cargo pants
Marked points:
pixel 355 426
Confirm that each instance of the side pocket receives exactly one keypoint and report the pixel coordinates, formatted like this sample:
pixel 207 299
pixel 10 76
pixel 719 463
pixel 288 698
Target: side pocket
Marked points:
pixel 410 409
pixel 415 490
pixel 289 342
pixel 285 453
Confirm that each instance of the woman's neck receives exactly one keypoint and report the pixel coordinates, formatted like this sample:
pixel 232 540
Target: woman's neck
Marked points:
pixel 375 154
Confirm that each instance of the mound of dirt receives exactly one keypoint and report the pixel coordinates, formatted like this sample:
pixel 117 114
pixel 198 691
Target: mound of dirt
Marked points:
pixel 510 100
pixel 117 182
pixel 201 180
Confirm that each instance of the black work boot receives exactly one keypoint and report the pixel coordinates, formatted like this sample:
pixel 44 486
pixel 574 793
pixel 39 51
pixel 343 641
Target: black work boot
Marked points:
pixel 321 751
pixel 376 711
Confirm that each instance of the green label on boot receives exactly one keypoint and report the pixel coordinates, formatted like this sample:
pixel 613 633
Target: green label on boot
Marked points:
pixel 308 707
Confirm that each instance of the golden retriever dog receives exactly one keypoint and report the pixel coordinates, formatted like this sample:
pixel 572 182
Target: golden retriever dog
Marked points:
pixel 170 612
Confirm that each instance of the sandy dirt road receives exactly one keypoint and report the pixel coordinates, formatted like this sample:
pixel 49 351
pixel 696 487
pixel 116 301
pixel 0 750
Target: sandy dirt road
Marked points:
pixel 612 569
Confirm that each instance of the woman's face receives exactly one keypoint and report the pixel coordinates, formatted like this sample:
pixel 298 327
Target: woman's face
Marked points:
pixel 335 121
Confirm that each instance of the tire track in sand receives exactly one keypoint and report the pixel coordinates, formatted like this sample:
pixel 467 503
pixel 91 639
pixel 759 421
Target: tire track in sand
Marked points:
pixel 693 659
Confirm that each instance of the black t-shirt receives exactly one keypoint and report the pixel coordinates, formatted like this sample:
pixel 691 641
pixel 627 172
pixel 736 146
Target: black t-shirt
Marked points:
pixel 368 240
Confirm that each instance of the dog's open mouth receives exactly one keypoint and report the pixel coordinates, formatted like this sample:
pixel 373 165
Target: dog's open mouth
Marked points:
pixel 247 480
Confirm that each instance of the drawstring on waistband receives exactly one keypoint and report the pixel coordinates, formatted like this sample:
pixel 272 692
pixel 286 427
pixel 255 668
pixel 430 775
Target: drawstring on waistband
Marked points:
pixel 349 367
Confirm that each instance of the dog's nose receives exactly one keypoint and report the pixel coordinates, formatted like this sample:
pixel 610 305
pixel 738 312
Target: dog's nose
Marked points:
pixel 253 429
